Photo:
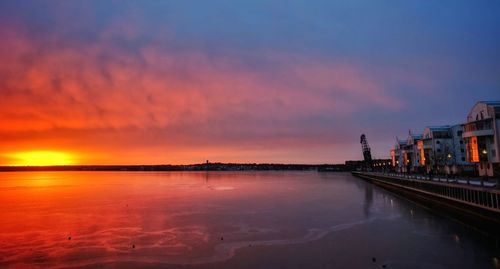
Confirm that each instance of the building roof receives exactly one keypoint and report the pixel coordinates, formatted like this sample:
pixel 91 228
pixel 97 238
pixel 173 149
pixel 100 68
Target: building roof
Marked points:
pixel 477 112
pixel 439 128
pixel 491 103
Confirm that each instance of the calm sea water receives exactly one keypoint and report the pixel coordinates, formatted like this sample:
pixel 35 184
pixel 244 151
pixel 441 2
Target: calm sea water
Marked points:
pixel 224 219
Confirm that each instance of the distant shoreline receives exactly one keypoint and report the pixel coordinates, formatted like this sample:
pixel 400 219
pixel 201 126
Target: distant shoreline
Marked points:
pixel 189 167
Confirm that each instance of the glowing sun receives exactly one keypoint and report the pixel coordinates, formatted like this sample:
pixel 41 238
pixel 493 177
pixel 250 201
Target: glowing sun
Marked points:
pixel 41 158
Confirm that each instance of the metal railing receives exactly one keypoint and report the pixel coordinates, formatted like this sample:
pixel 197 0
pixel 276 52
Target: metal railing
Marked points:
pixel 445 179
pixel 478 125
pixel 481 194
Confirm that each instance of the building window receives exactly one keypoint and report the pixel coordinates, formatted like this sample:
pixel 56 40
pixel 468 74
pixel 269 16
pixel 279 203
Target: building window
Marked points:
pixel 462 150
pixel 461 142
pixel 438 142
pixel 493 152
pixel 463 159
pixel 459 133
pixel 438 150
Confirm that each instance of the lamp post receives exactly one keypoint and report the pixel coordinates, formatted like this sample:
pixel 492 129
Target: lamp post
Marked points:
pixel 485 157
pixel 448 164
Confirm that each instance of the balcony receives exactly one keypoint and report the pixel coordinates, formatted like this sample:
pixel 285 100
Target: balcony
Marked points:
pixel 478 128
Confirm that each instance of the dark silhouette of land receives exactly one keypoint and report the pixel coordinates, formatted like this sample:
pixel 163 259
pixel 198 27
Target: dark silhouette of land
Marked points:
pixel 207 166
pixel 189 167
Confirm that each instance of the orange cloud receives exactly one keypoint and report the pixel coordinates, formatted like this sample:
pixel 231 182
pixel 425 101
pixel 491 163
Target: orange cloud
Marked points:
pixel 164 103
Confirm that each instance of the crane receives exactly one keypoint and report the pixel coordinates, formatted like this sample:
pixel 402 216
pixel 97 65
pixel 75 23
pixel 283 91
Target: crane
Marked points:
pixel 367 155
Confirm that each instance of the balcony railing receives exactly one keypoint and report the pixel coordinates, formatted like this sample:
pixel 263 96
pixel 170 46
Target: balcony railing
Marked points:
pixel 479 126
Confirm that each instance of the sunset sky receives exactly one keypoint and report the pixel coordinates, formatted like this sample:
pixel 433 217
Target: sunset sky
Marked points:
pixel 155 82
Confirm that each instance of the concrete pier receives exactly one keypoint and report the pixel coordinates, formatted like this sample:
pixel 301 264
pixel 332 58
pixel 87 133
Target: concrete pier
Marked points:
pixel 475 205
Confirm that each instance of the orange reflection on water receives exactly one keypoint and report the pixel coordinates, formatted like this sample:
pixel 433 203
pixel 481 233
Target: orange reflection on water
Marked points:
pixel 54 218
pixel 72 219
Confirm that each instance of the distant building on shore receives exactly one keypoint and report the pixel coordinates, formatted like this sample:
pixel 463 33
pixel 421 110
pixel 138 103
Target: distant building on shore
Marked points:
pixel 377 165
pixel 473 147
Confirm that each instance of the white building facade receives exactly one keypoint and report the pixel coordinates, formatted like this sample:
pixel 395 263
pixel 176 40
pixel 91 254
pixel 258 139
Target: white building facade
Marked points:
pixel 437 146
pixel 398 156
pixel 413 154
pixel 471 148
pixel 440 149
pixel 481 134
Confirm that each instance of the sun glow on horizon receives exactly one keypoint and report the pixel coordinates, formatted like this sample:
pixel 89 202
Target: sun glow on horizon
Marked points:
pixel 41 158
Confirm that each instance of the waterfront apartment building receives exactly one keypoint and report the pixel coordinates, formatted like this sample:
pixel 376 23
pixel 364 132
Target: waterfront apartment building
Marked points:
pixel 405 155
pixel 442 149
pixel 399 156
pixel 473 147
pixel 413 159
pixel 481 134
